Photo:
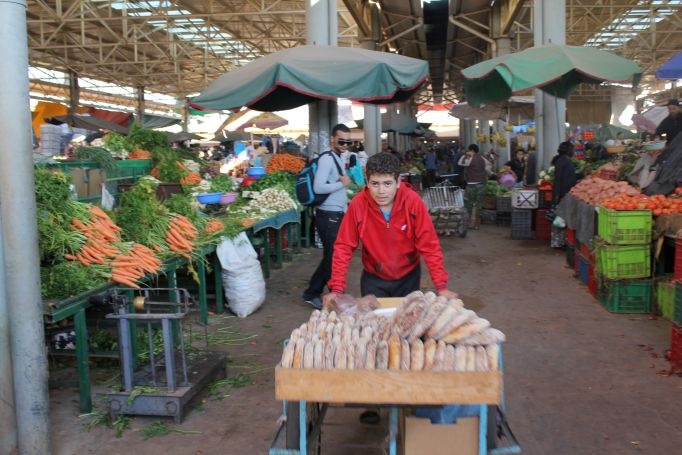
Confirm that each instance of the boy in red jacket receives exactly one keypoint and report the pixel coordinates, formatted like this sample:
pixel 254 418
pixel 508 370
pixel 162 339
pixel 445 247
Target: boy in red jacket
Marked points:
pixel 395 229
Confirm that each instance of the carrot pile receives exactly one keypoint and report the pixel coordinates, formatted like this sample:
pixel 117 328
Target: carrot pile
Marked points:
pixel 214 226
pixel 192 178
pixel 139 154
pixel 180 235
pixel 101 234
pixel 285 162
pixel 129 267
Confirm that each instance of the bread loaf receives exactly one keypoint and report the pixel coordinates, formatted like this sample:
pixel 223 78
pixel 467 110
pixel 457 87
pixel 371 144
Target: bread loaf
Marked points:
pixel 288 354
pixel 312 321
pixel 318 355
pixel 303 330
pixel 355 335
pixel 430 296
pixel 460 318
pixel 329 332
pixel 449 363
pixel 350 356
pixel 382 355
pixel 371 355
pixel 487 336
pixel 405 321
pixel 417 355
pixel 481 359
pixel 293 338
pixel 346 333
pixel 493 353
pixel 441 299
pixel 322 330
pixel 427 320
pixel 439 357
pixel 404 355
pixel 341 356
pixel 338 330
pixel 308 355
pixel 331 317
pixel 366 333
pixel 360 354
pixel 394 351
pixel 469 328
pixel 441 321
pixel 329 351
pixel 471 358
pixel 298 353
pixel 429 353
pixel 457 303
pixel 460 358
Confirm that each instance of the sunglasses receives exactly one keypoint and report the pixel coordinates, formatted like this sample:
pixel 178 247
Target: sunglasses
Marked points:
pixel 344 142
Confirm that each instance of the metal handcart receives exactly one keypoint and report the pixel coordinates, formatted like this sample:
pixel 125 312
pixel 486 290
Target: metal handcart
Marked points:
pixel 307 394
pixel 445 203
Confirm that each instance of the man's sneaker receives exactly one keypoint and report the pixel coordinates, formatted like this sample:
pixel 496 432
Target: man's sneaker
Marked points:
pixel 315 302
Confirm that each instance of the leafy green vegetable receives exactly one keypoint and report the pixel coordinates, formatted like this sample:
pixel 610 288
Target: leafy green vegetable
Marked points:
pixel 141 216
pixel 52 190
pixel 282 179
pixel 155 142
pixel 160 428
pixel 99 155
pixel 66 279
pixel 182 205
pixel 115 142
pixel 222 183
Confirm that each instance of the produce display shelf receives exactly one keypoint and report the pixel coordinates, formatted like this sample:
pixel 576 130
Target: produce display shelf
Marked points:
pixel 545 199
pixel 666 293
pixel 592 284
pixel 624 227
pixel 616 262
pixel 503 218
pixel 633 296
pixel 543 227
pixel 677 268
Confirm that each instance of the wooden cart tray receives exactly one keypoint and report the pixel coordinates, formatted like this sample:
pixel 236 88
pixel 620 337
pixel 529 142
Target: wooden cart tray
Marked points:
pixel 388 386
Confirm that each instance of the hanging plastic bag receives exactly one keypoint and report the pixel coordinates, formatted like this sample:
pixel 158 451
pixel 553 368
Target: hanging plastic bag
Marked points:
pixel 355 173
pixel 108 200
pixel 559 222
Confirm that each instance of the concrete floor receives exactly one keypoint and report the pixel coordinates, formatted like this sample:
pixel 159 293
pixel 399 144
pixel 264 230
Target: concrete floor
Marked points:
pixel 578 379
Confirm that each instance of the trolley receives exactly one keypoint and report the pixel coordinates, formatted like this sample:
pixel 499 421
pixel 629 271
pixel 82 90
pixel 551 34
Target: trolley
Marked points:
pixel 445 203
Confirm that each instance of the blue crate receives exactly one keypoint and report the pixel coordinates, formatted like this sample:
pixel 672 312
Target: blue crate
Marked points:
pixel 583 269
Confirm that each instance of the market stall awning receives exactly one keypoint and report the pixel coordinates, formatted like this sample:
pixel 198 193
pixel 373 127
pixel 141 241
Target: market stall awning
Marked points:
pixel 264 121
pixel 182 136
pixel 87 122
pixel 672 69
pixel 554 69
pixel 299 75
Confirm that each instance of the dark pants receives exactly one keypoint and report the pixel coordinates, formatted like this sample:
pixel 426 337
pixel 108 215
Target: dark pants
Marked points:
pixel 372 284
pixel 327 225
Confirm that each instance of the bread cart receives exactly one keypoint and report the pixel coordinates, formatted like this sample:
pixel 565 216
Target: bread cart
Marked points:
pixel 306 394
pixel 445 203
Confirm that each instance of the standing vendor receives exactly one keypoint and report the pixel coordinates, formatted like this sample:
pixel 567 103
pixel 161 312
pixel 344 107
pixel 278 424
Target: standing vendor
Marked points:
pixel 476 177
pixel 672 124
pixel 395 229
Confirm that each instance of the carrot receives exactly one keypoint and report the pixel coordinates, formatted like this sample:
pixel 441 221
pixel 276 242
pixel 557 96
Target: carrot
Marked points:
pixel 70 257
pixel 123 281
pixel 82 259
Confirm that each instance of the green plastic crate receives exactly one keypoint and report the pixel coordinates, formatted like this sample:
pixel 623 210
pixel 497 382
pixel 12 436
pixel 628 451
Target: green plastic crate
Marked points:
pixel 626 296
pixel 624 227
pixel 617 262
pixel 666 293
pixel 129 170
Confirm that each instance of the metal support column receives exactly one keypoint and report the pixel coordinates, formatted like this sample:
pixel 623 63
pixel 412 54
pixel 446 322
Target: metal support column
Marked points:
pixel 20 237
pixel 140 106
pixel 8 429
pixel 372 114
pixel 550 111
pixel 321 30
pixel 74 92
pixel 80 323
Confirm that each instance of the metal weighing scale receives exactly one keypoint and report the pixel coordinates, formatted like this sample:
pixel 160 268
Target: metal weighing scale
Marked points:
pixel 176 379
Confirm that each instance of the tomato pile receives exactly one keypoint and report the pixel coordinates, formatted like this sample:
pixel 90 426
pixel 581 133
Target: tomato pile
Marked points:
pixel 658 204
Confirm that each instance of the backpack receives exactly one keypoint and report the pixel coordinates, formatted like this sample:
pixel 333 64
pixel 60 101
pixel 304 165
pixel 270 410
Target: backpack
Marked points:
pixel 305 180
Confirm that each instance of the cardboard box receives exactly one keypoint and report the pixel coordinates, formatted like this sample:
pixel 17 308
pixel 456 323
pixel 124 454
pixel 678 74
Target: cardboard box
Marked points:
pixel 95 179
pixel 423 437
pixel 79 177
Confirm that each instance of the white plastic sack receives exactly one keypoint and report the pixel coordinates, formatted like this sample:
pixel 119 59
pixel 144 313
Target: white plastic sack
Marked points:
pixel 242 275
pixel 108 200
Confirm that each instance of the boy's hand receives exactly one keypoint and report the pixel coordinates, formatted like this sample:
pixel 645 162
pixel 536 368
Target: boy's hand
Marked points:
pixel 327 299
pixel 448 294
pixel 345 180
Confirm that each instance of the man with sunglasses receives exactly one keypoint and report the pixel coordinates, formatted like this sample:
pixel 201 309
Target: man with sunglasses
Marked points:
pixel 330 178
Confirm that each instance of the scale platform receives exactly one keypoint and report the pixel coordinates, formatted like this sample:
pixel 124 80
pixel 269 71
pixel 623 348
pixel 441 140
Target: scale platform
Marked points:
pixel 202 370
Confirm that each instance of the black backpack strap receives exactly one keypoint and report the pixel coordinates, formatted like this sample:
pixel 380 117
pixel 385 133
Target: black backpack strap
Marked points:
pixel 338 166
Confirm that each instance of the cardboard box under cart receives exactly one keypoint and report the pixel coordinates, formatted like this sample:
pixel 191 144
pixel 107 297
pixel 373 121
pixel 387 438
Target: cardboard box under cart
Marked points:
pixel 396 388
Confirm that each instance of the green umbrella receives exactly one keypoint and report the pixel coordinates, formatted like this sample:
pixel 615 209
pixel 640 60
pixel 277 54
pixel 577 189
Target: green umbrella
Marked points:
pixel 299 75
pixel 555 69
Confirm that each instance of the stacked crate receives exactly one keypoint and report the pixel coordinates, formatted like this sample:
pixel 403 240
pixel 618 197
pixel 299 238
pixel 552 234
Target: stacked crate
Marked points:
pixel 523 202
pixel 623 260
pixel 542 226
pixel 503 210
